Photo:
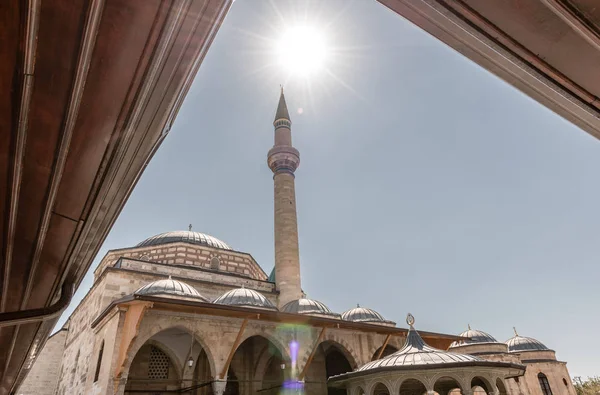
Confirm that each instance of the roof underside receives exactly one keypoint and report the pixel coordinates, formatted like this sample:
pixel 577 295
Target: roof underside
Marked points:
pixel 549 49
pixel 89 89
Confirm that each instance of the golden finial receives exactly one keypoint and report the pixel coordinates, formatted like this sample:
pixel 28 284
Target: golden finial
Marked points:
pixel 410 320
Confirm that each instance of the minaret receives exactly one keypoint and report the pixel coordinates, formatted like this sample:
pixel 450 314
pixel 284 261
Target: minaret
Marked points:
pixel 283 159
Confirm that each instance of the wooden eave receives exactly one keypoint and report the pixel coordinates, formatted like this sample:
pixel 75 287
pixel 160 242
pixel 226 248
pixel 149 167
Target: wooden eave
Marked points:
pixel 438 340
pixel 88 91
pixel 549 49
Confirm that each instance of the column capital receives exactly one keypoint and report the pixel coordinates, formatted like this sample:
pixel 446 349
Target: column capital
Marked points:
pixel 219 387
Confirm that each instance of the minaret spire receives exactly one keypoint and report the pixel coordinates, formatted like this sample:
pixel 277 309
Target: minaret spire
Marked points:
pixel 282 110
pixel 283 160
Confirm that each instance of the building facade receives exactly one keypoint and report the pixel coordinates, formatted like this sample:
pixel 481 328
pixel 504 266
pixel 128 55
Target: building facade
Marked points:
pixel 183 312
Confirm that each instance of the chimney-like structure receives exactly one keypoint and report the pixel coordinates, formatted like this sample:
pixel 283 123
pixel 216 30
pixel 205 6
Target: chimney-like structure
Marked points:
pixel 283 159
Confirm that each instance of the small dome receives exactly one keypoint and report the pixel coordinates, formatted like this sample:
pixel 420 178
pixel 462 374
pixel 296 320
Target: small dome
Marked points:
pixel 475 338
pixel 362 314
pixel 522 343
pixel 246 298
pixel 309 307
pixel 170 287
pixel 185 236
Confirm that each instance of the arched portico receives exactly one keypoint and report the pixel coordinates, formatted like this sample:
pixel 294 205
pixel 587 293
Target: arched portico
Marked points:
pixel 501 387
pixel 170 352
pixel 257 365
pixel 380 389
pixel 411 386
pixel 446 385
pixel 481 385
pixel 330 359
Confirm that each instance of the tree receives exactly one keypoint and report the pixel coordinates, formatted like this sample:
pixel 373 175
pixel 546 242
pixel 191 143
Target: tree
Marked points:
pixel 591 386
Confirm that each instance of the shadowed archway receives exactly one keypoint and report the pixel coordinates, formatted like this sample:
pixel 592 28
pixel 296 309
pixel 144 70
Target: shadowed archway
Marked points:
pixel 162 363
pixel 447 385
pixel 388 350
pixel 330 359
pixel 257 366
pixel 412 387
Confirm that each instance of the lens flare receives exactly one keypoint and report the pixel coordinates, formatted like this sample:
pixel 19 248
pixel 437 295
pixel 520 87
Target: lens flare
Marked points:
pixel 302 50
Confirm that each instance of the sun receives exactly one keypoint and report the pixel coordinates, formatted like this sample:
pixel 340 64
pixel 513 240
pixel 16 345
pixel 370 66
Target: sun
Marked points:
pixel 302 50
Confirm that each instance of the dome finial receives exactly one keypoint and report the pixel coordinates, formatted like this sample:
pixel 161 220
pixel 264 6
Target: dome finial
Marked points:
pixel 469 326
pixel 410 320
pixel 358 305
pixel 190 227
pixel 515 329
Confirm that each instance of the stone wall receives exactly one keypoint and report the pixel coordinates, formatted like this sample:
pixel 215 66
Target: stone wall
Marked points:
pixel 557 374
pixel 185 254
pixel 43 377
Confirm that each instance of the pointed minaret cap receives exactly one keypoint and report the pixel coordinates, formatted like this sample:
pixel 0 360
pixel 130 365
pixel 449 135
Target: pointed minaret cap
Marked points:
pixel 282 110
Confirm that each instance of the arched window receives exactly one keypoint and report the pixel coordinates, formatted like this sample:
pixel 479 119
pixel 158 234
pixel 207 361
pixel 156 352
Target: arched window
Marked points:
pixel 215 262
pixel 544 384
pixel 99 363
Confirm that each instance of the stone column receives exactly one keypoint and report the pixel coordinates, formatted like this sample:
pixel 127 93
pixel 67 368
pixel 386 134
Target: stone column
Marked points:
pixel 283 160
pixel 219 387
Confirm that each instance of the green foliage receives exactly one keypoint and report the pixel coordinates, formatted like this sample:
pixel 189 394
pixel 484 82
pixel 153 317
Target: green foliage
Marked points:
pixel 591 386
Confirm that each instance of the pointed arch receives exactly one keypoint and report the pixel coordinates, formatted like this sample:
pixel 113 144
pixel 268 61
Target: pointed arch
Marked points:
pixel 262 361
pixel 388 350
pixel 150 331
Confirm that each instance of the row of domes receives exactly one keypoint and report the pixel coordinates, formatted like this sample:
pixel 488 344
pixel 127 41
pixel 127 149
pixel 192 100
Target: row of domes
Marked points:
pixel 515 344
pixel 244 297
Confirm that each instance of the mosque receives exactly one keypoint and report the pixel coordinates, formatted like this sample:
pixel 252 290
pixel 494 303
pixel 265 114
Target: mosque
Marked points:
pixel 185 313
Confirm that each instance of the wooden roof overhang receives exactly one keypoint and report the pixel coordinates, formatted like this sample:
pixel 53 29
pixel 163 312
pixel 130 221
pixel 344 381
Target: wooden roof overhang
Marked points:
pixel 88 91
pixel 549 49
pixel 438 340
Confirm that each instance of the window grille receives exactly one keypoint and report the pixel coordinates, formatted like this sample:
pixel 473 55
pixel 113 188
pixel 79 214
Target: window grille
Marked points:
pixel 544 384
pixel 158 368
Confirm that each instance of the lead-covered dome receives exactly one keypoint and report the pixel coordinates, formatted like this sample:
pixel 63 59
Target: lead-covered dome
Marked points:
pixel 185 236
pixel 369 316
pixel 476 337
pixel 309 307
pixel 522 343
pixel 170 287
pixel 246 298
pixel 416 352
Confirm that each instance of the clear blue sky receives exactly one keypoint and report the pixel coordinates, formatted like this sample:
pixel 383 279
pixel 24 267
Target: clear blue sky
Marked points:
pixel 427 185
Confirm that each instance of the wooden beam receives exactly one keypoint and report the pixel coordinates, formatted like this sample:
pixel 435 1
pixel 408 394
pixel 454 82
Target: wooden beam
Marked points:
pixel 234 347
pixel 312 354
pixel 385 343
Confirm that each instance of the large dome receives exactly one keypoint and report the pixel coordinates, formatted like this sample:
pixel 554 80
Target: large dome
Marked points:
pixel 246 298
pixel 309 307
pixel 362 314
pixel 522 343
pixel 170 287
pixel 185 236
pixel 476 337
